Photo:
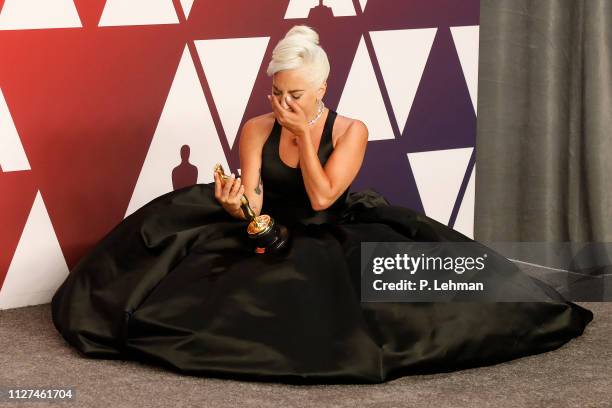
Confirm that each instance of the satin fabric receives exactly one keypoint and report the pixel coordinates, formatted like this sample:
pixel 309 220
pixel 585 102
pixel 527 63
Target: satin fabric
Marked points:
pixel 177 284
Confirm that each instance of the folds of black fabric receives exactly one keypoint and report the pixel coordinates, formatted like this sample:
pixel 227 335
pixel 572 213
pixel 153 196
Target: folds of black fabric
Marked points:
pixel 177 284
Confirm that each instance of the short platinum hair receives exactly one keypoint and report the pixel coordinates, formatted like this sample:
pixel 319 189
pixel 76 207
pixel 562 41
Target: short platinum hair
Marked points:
pixel 300 49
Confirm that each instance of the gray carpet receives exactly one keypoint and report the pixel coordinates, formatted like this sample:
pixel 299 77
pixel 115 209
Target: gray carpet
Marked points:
pixel 33 354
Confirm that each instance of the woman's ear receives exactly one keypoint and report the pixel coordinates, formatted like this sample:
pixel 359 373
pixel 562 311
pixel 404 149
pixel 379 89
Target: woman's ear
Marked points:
pixel 321 90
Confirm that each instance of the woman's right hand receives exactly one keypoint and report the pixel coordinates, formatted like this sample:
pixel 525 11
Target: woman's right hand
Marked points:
pixel 229 195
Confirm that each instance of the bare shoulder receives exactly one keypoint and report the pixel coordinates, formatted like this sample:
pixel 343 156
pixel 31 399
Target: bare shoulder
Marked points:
pixel 262 120
pixel 343 124
pixel 256 130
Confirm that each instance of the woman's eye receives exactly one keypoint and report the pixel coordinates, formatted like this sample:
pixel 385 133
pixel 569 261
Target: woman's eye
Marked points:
pixel 278 93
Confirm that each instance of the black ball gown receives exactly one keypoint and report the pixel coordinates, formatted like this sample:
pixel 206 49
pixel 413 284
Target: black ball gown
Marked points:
pixel 177 284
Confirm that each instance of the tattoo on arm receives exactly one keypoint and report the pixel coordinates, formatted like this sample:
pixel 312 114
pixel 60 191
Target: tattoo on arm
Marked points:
pixel 259 183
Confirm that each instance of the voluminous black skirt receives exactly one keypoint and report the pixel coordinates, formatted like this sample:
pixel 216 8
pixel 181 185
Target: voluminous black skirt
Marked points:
pixel 177 284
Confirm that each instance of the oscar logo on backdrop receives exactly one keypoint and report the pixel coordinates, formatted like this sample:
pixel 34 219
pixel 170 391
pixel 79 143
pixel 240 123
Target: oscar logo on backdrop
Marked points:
pixel 320 12
pixel 185 174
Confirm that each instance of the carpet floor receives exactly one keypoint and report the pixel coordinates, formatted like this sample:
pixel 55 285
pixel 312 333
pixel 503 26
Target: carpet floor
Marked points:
pixel 33 354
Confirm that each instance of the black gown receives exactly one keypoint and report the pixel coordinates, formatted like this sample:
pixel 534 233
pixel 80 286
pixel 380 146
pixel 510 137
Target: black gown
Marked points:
pixel 177 284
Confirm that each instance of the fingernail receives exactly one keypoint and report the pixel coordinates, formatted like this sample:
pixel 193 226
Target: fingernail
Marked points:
pixel 268 96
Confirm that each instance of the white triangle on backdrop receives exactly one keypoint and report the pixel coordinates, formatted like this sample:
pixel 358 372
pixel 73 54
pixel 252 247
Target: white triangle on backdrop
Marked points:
pixel 36 14
pixel 465 217
pixel 466 43
pixel 361 97
pixel 38 266
pixel 301 8
pixel 438 175
pixel 186 4
pixel 185 119
pixel 402 68
pixel 231 67
pixel 12 155
pixel 138 12
pixel 363 4
pixel 340 8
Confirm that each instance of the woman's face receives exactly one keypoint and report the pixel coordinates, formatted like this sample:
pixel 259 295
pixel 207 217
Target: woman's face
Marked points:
pixel 294 82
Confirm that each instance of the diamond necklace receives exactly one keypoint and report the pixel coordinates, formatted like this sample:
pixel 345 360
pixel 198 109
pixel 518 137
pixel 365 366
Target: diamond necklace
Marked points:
pixel 319 113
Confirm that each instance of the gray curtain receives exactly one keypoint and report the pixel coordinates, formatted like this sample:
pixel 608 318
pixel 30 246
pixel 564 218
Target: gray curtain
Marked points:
pixel 544 139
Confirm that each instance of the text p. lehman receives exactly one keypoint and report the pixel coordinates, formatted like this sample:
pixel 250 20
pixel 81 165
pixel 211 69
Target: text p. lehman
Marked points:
pixel 405 284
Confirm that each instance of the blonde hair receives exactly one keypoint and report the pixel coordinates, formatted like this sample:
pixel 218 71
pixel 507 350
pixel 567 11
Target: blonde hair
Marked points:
pixel 300 49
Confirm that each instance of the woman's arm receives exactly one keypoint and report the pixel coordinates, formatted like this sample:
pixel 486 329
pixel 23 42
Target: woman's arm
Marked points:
pixel 250 149
pixel 325 185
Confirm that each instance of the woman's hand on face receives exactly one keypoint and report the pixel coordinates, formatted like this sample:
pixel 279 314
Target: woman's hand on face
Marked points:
pixel 294 119
pixel 229 195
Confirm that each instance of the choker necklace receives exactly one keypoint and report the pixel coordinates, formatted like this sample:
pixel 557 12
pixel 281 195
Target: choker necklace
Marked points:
pixel 319 113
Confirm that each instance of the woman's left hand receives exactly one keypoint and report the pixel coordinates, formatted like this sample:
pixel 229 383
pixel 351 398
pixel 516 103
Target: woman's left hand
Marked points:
pixel 294 119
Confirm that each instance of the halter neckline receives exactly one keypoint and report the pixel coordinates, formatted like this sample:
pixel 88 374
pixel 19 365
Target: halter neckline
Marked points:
pixel 326 137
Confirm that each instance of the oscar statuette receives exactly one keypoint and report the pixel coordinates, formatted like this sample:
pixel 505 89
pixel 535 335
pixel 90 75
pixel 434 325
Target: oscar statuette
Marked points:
pixel 267 235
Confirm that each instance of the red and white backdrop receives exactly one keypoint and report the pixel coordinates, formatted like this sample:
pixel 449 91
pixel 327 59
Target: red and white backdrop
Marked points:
pixel 107 104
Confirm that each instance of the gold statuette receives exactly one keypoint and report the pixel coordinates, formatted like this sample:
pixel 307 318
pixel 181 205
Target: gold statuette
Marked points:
pixel 267 234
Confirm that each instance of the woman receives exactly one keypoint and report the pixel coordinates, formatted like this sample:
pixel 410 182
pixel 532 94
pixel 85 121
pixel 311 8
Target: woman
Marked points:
pixel 297 105
pixel 177 283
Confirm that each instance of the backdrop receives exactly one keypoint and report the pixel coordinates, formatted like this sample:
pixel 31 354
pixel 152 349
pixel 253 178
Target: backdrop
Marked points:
pixel 98 98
